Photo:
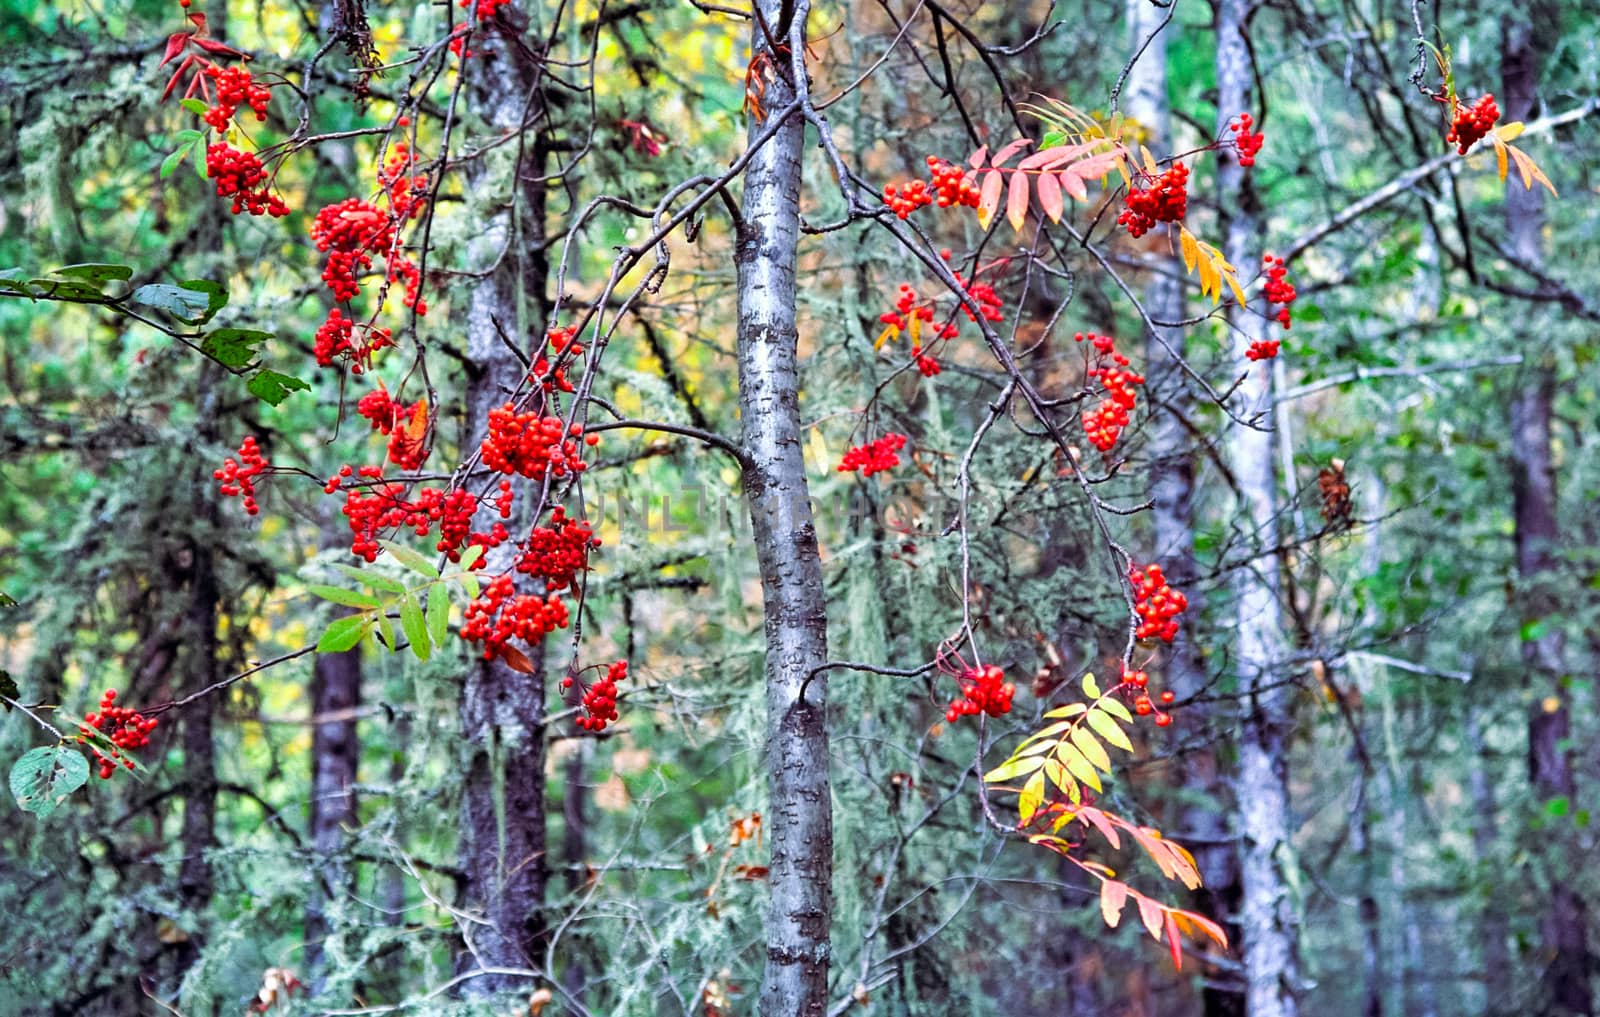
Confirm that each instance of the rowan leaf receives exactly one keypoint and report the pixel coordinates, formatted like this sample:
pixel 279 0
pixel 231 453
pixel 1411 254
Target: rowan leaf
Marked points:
pixel 1069 710
pixel 1530 170
pixel 1174 942
pixel 1072 182
pixel 989 197
pixel 1017 201
pixel 1190 247
pixel 343 633
pixel 376 580
pixel 415 628
pixel 1080 767
pixel 1091 748
pixel 1050 195
pixel 1091 688
pixel 438 614
pixel 1008 151
pixel 340 595
pixel 385 629
pixel 1097 819
pixel 1499 155
pixel 1113 706
pixel 1013 767
pixel 1031 798
pixel 976 159
pixel 1107 728
pixel 515 659
pixel 1509 132
pixel 1113 896
pixel 410 558
pixel 1150 913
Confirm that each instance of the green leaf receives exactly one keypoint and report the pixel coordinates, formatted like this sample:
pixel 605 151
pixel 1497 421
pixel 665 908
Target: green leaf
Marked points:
pixel 1533 631
pixel 469 582
pixel 233 347
pixel 470 556
pixel 67 289
pixel 7 600
pixel 386 630
pixel 410 559
pixel 187 302
pixel 1091 748
pixel 43 778
pixel 376 580
pixel 1558 806
pixel 8 687
pixel 215 293
pixel 415 628
pixel 438 614
pixel 340 595
pixel 96 272
pixel 343 633
pixel 1080 767
pixel 1090 687
pixel 273 388
pixel 194 106
pixel 1107 728
pixel 1032 797
pixel 170 163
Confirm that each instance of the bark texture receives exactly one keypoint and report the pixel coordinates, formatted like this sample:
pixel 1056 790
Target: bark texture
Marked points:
pixel 1563 926
pixel 1172 515
pixel 503 710
pixel 1267 917
pixel 799 819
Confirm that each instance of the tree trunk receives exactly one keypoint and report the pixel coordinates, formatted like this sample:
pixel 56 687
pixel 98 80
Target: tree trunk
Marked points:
pixel 799 819
pixel 1494 932
pixel 503 710
pixel 1172 514
pixel 335 752
pixel 1267 918
pixel 1563 925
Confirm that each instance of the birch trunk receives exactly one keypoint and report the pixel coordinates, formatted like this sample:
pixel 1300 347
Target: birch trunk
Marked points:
pixel 799 818
pixel 1267 919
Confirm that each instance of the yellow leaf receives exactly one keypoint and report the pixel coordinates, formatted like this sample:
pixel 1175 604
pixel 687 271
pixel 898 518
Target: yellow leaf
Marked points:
pixel 1107 728
pixel 889 332
pixel 1091 748
pixel 1056 775
pixel 1210 281
pixel 916 328
pixel 1499 154
pixel 1150 166
pixel 1530 170
pixel 1080 767
pixel 1191 248
pixel 1090 687
pixel 1070 710
pixel 1233 284
pixel 1032 797
pixel 1509 132
pixel 1013 767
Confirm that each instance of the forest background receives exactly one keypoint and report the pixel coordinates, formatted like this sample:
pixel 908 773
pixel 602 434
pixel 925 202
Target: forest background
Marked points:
pixel 1380 745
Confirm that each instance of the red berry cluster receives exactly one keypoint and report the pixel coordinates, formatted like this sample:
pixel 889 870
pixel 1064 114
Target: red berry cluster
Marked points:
pixel 558 553
pixel 1278 290
pixel 242 177
pixel 1245 143
pixel 875 456
pixel 600 699
pixel 906 307
pixel 335 338
pixel 1103 425
pixel 1138 682
pixel 238 478
pixel 349 231
pixel 562 341
pixel 126 730
pixel 235 89
pixel 952 185
pixel 983 690
pixel 903 201
pixel 1165 200
pixel 532 445
pixel 1472 123
pixel 1157 604
pixel 379 409
pixel 500 614
pixel 382 507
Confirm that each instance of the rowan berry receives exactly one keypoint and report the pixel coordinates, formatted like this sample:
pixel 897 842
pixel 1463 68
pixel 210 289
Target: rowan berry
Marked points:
pixel 237 478
pixel 234 89
pixel 1165 200
pixel 983 690
pixel 125 728
pixel 530 444
pixel 1103 425
pixel 557 553
pixel 1472 123
pixel 500 614
pixel 952 185
pixel 600 698
pixel 242 177
pixel 1157 604
pixel 874 457
pixel 1245 143
pixel 336 339
pixel 905 200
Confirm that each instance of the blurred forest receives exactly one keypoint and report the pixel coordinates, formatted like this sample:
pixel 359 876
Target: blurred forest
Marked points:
pixel 1380 740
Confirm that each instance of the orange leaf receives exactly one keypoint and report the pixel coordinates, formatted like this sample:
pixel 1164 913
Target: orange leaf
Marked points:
pixel 417 426
pixel 1098 820
pixel 889 332
pixel 989 197
pixel 1150 912
pixel 1530 170
pixel 1073 183
pixel 1113 895
pixel 1050 196
pixel 1017 200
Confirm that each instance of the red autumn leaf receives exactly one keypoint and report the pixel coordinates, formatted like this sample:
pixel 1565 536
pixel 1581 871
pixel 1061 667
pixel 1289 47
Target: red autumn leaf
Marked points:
pixel 975 160
pixel 1017 200
pixel 1174 942
pixel 989 197
pixel 175 43
pixel 1050 196
pixel 515 659
pixel 213 46
pixel 1010 150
